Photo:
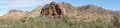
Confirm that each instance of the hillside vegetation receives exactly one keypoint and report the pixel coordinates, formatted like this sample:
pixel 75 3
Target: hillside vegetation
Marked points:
pixel 62 15
pixel 47 22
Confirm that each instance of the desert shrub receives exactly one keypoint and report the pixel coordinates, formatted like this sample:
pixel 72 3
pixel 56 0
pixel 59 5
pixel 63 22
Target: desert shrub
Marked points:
pixel 47 22
pixel 101 23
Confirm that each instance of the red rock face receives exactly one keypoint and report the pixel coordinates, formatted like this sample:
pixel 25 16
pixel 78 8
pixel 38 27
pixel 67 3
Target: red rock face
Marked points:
pixel 51 9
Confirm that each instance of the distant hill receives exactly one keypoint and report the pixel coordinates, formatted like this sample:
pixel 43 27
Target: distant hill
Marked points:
pixel 17 14
pixel 13 14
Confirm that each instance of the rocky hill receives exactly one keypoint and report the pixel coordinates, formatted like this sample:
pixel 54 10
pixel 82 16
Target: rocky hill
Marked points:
pixel 13 14
pixel 85 12
pixel 17 14
pixel 62 15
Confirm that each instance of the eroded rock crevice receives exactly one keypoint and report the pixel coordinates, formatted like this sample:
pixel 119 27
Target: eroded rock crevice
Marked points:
pixel 51 9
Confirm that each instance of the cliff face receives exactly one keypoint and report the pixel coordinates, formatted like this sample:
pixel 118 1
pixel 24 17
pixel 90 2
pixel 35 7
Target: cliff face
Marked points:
pixel 51 9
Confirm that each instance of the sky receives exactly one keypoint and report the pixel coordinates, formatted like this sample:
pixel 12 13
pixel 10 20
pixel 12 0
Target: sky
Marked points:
pixel 29 5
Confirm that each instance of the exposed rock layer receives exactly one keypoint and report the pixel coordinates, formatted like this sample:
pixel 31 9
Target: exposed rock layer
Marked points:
pixel 51 9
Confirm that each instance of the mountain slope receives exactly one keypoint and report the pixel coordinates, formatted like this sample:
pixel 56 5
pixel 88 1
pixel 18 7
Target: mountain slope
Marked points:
pixel 17 14
pixel 85 12
pixel 14 14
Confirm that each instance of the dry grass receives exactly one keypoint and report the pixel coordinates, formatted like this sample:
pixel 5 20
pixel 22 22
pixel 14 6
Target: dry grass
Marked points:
pixel 46 22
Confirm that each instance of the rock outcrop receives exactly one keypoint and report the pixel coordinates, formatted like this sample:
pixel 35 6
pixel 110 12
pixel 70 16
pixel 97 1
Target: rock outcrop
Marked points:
pixel 51 9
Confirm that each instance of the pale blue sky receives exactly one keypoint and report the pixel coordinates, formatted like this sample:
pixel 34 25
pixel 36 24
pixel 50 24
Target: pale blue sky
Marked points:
pixel 28 5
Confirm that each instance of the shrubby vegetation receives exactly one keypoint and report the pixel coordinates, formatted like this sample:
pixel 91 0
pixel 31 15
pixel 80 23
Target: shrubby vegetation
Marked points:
pixel 47 22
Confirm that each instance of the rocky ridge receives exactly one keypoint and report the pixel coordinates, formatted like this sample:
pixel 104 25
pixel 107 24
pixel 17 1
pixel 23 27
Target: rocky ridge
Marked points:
pixel 85 12
pixel 17 14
